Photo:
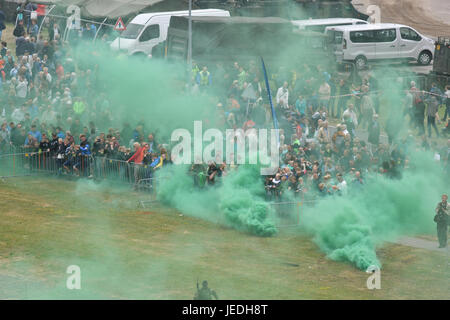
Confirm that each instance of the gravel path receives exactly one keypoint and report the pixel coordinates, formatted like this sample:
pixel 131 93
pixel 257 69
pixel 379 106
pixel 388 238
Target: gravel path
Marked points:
pixel 430 17
pixel 423 244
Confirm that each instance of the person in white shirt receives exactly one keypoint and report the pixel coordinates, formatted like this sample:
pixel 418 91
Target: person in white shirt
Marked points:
pixel 341 186
pixel 350 111
pixel 324 96
pixel 22 88
pixel 283 96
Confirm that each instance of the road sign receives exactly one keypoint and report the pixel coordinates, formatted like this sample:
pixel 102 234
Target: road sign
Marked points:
pixel 120 26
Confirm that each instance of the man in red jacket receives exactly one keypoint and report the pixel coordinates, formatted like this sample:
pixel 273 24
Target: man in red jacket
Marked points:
pixel 137 158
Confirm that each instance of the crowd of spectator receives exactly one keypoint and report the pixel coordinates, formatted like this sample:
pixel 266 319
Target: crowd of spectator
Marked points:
pixel 51 103
pixel 331 136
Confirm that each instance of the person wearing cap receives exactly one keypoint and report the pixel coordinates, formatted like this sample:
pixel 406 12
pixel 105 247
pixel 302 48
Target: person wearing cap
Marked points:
pixel 442 220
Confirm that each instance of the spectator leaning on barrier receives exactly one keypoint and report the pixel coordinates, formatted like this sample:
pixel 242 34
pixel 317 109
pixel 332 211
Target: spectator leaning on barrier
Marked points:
pixel 137 158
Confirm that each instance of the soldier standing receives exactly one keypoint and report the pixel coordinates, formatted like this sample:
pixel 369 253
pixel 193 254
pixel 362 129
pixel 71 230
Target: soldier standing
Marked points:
pixel 442 219
pixel 205 293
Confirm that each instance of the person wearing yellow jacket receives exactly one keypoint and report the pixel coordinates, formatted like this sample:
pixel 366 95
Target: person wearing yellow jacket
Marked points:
pixel 79 107
pixel 204 78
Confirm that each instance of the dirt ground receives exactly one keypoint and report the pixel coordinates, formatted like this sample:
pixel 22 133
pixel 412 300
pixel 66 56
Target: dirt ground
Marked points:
pixel 430 17
pixel 47 225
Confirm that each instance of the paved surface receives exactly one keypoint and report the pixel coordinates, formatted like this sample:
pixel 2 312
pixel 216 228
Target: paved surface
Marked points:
pixel 423 244
pixel 430 17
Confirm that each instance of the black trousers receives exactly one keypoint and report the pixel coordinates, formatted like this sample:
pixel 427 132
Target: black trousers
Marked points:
pixel 420 124
pixel 431 121
pixel 442 234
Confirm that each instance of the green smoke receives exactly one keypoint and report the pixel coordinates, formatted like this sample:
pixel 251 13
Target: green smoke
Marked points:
pixel 346 229
pixel 236 201
pixel 352 227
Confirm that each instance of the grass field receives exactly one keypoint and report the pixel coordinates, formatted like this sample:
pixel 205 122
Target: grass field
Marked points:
pixel 48 224
pixel 11 40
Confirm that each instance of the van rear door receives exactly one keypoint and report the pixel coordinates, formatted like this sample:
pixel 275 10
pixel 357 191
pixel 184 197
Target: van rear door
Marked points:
pixel 335 41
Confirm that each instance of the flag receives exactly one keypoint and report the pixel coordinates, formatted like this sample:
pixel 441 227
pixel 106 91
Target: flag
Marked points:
pixel 274 115
pixel 158 162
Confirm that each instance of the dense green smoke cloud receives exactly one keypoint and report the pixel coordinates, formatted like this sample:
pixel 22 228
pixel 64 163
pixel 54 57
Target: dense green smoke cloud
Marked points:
pixel 351 228
pixel 237 200
pixel 148 92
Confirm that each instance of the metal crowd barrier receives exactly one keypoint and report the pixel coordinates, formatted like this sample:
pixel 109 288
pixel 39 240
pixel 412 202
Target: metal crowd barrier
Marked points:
pixel 288 214
pixel 26 163
pixel 11 149
pixel 99 168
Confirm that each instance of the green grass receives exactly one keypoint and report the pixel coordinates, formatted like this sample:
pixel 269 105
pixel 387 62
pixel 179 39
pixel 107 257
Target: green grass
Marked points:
pixel 10 39
pixel 123 252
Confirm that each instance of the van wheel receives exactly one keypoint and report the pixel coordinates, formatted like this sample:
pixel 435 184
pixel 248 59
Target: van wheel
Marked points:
pixel 139 55
pixel 424 58
pixel 360 62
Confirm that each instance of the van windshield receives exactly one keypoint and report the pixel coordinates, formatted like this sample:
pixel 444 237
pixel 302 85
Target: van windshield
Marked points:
pixel 133 31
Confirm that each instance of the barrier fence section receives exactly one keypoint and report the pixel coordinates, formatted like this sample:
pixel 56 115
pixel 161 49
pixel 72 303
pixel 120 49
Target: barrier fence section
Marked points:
pixel 288 214
pixel 20 164
pixel 139 176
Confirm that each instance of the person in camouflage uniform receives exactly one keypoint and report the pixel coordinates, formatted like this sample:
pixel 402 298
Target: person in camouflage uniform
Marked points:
pixel 205 293
pixel 442 219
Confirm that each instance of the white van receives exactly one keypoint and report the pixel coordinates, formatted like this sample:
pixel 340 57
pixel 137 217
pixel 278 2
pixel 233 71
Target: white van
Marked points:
pixel 148 29
pixel 381 41
pixel 319 25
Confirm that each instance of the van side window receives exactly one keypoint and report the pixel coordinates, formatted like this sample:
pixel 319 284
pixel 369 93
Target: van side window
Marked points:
pixel 386 35
pixel 362 36
pixel 409 34
pixel 151 32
